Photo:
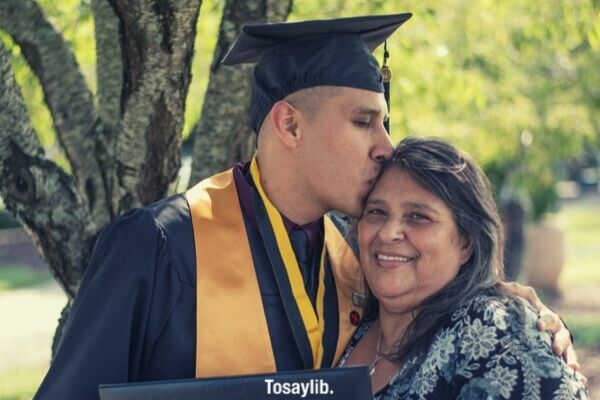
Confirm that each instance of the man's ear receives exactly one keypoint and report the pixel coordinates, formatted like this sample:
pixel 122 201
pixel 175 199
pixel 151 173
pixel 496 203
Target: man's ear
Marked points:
pixel 285 123
pixel 466 248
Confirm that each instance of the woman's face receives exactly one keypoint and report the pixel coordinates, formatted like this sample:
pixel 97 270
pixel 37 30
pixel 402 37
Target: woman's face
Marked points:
pixel 410 247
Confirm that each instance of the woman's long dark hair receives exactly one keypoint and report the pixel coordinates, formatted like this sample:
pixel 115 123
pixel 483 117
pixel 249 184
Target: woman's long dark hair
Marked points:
pixel 449 174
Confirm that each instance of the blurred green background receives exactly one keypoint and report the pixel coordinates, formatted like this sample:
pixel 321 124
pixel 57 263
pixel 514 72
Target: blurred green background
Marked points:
pixel 515 83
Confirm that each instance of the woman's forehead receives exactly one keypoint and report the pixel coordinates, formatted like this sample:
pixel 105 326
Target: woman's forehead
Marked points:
pixel 398 187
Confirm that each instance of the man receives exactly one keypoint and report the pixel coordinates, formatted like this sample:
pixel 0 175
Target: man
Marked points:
pixel 243 273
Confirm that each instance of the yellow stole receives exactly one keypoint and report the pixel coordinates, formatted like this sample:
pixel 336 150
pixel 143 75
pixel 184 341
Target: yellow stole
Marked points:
pixel 232 336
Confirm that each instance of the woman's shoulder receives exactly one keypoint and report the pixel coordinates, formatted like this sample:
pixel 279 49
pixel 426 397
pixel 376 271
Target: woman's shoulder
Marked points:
pixel 499 349
pixel 494 312
pixel 490 348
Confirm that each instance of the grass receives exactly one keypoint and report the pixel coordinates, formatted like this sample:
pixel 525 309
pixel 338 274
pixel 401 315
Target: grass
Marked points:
pixel 20 276
pixel 581 224
pixel 585 329
pixel 21 383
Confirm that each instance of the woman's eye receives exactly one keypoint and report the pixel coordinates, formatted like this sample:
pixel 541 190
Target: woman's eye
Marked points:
pixel 375 211
pixel 417 217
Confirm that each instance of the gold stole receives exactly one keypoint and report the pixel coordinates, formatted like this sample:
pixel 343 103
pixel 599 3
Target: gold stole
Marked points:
pixel 232 336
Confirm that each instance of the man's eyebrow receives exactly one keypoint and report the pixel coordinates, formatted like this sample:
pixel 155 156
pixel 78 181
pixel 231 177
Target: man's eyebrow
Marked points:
pixel 370 111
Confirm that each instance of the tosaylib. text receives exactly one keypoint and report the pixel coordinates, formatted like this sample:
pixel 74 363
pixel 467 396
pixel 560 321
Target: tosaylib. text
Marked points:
pixel 302 389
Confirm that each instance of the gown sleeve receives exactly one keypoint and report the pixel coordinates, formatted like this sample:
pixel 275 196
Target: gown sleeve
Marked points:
pixel 105 336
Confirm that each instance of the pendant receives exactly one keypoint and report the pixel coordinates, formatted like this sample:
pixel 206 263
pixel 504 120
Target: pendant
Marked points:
pixel 374 363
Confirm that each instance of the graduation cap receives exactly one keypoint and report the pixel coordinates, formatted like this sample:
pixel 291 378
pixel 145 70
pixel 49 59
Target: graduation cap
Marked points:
pixel 298 55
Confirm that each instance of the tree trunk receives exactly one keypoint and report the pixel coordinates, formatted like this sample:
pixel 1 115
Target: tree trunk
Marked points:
pixel 124 153
pixel 109 79
pixel 157 41
pixel 514 238
pixel 38 192
pixel 223 135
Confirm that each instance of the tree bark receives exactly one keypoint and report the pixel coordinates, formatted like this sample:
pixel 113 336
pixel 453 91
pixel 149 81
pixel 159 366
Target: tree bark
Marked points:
pixel 68 98
pixel 109 78
pixel 38 192
pixel 109 63
pixel 157 40
pixel 222 135
pixel 122 156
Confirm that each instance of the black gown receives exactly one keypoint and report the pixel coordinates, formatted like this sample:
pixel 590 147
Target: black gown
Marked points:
pixel 135 317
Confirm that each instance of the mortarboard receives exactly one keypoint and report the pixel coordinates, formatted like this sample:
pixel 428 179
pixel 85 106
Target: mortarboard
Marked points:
pixel 291 56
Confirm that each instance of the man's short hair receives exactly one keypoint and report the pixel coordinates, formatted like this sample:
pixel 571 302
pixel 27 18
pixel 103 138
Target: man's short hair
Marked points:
pixel 309 100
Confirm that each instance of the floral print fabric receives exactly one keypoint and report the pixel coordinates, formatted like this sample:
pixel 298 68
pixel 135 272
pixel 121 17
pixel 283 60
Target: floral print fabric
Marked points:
pixel 487 351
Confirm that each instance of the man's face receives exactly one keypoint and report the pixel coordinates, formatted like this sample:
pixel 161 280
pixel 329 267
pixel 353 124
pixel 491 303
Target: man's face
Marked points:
pixel 343 147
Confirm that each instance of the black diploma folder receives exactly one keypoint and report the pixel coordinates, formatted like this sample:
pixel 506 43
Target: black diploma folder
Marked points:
pixel 352 383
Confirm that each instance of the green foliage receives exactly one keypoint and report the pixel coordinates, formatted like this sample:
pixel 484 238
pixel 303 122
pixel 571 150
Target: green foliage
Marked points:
pixel 207 31
pixel 543 196
pixel 479 73
pixel 585 330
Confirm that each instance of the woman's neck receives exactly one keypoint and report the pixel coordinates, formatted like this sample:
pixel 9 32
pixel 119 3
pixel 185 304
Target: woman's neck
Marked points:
pixel 392 327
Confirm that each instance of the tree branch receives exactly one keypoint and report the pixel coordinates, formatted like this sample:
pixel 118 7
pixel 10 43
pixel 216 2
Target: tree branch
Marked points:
pixel 278 10
pixel 223 136
pixel 66 94
pixel 109 73
pixel 38 192
pixel 157 38
pixel 109 65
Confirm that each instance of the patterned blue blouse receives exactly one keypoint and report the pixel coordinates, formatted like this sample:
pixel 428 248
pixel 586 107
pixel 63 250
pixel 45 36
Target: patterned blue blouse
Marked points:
pixel 485 352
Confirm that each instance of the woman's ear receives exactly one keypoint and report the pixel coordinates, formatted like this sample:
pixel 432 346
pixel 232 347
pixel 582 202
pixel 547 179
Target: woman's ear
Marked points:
pixel 466 248
pixel 285 123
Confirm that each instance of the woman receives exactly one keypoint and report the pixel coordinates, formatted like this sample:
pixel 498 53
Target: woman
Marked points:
pixel 437 325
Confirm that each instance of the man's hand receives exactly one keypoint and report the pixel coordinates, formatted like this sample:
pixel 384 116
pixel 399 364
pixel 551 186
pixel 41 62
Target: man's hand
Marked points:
pixel 549 322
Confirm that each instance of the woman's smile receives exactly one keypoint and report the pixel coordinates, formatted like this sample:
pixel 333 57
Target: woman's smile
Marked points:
pixel 390 260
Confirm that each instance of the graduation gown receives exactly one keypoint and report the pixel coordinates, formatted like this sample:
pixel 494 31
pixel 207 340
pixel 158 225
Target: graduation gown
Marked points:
pixel 135 316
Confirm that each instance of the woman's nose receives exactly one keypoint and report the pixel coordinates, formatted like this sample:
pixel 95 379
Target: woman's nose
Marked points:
pixel 392 231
